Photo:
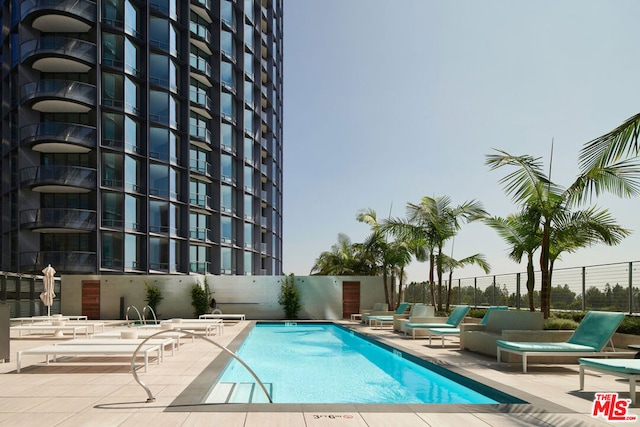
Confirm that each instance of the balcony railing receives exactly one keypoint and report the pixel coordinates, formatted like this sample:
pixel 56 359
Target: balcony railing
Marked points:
pixel 67 176
pixel 61 90
pixel 85 9
pixel 64 261
pixel 59 133
pixel 58 218
pixel 75 49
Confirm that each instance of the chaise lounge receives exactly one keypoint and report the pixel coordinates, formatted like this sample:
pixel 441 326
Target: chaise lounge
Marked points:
pixel 382 320
pixel 456 331
pixel 625 368
pixel 456 317
pixel 589 339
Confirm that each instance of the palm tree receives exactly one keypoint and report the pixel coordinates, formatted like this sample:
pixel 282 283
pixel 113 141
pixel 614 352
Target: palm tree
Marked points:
pixel 612 148
pixel 451 264
pixel 341 260
pixel 529 186
pixel 522 232
pixel 429 225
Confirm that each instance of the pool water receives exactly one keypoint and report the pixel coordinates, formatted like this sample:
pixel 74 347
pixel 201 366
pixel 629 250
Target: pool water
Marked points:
pixel 324 363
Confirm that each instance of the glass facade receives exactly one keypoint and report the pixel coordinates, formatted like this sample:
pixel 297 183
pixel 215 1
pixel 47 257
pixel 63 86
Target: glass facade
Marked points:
pixel 157 150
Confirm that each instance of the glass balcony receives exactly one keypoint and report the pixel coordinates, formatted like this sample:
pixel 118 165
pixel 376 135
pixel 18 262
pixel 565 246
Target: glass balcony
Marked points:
pixel 59 15
pixel 201 200
pixel 199 267
pixel 58 220
pixel 200 31
pixel 56 137
pixel 200 233
pixel 59 96
pixel 200 166
pixel 68 179
pixel 201 99
pixel 59 54
pixel 201 133
pixel 200 64
pixel 64 261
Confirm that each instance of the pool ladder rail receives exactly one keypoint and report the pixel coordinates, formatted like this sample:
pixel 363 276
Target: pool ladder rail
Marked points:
pixel 142 318
pixel 151 398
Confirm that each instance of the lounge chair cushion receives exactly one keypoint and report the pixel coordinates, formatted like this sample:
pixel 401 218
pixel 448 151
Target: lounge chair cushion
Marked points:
pixel 444 331
pixel 625 366
pixel 545 346
pixel 596 329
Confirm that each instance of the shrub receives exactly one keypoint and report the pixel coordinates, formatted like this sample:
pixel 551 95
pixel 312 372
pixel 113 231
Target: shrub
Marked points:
pixel 630 325
pixel 200 299
pixel 289 297
pixel 154 296
pixel 558 323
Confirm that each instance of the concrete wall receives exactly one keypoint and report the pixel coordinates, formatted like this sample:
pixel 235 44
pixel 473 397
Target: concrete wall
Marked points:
pixel 255 296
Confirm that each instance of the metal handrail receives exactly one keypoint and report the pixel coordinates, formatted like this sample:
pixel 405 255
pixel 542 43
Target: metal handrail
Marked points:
pixel 151 398
pixel 144 317
pixel 127 314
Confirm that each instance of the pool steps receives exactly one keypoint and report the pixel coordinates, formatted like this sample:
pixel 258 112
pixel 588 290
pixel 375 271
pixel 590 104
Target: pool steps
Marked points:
pixel 239 393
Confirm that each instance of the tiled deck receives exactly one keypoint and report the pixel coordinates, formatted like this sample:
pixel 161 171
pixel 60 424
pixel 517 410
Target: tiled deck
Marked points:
pixel 97 393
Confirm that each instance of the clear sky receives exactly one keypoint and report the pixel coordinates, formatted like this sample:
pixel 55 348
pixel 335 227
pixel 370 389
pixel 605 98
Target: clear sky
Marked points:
pixel 389 101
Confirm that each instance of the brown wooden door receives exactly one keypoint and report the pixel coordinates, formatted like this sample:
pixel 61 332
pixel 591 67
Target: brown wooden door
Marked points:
pixel 350 299
pixel 91 299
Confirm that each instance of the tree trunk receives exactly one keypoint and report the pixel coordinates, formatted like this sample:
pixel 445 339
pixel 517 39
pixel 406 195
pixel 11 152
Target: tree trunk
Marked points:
pixel 386 289
pixel 544 272
pixel 531 281
pixel 431 279
pixel 439 272
pixel 449 289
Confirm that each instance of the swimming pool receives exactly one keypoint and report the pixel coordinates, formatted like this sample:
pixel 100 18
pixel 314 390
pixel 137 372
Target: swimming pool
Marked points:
pixel 325 363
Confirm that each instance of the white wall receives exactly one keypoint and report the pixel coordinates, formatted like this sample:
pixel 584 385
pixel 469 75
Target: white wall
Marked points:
pixel 255 296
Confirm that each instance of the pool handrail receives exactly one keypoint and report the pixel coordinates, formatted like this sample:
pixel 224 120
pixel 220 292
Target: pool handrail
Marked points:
pixel 153 313
pixel 126 316
pixel 151 398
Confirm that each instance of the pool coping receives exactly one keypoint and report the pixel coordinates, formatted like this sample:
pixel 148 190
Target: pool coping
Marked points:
pixel 200 387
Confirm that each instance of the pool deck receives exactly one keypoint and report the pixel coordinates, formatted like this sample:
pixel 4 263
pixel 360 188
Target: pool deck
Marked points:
pixel 97 392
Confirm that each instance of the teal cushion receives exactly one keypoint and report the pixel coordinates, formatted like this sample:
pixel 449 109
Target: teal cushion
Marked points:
pixel 596 329
pixel 545 346
pixel 380 318
pixel 457 315
pixel 626 366
pixel 402 308
pixel 485 318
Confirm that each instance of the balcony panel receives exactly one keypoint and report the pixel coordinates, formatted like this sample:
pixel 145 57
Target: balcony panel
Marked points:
pixel 202 8
pixel 59 179
pixel 54 16
pixel 59 54
pixel 54 137
pixel 59 96
pixel 62 261
pixel 58 220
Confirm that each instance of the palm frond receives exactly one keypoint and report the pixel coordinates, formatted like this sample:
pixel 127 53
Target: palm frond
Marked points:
pixel 613 146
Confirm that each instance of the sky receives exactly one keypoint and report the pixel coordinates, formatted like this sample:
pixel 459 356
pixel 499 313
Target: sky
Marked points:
pixel 389 101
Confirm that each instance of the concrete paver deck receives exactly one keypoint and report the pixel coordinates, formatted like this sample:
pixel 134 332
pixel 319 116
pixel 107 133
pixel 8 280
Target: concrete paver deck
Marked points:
pixel 80 392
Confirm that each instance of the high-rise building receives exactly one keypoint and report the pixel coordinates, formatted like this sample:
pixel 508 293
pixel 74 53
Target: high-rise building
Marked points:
pixel 141 136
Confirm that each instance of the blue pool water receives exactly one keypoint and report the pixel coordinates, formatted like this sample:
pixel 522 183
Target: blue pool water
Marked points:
pixel 320 363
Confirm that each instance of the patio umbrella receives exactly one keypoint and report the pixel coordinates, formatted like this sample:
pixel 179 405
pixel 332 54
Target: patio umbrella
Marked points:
pixel 48 295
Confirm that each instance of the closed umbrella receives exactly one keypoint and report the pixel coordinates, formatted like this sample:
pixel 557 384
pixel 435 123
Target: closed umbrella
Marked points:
pixel 48 295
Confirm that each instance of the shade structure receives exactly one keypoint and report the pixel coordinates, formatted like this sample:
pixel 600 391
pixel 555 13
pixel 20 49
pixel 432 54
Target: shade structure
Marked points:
pixel 48 295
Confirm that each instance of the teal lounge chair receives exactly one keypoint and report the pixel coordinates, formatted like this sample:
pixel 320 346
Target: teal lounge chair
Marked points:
pixel 457 315
pixel 456 331
pixel 589 338
pixel 625 368
pixel 381 320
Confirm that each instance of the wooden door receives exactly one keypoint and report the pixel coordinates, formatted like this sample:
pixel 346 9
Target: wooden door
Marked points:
pixel 350 299
pixel 91 299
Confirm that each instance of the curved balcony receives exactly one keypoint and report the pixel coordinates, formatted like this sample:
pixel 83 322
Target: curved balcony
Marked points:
pixel 64 261
pixel 200 37
pixel 59 96
pixel 59 54
pixel 58 179
pixel 58 220
pixel 56 16
pixel 200 103
pixel 202 8
pixel 56 137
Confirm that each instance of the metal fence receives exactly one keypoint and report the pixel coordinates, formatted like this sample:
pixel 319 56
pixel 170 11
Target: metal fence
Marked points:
pixel 610 287
pixel 22 293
